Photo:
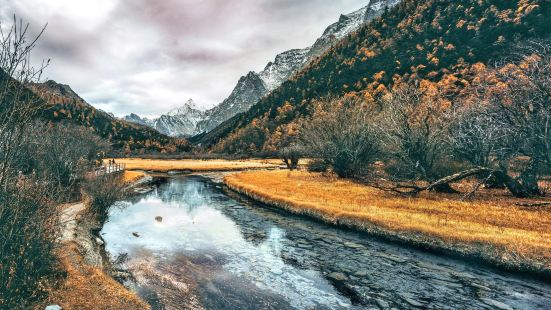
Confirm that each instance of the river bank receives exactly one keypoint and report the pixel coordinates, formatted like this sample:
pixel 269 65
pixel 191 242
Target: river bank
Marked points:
pixel 498 233
pixel 196 165
pixel 191 244
pixel 90 275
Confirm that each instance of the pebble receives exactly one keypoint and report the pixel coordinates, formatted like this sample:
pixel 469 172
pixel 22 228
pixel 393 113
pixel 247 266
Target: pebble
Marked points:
pixel 383 304
pixel 337 276
pixel 135 234
pixel 353 245
pixel 361 273
pixel 159 219
pixel 411 301
pixel 496 304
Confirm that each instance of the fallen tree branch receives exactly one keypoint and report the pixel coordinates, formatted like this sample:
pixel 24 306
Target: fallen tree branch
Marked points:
pixel 535 204
pixel 516 188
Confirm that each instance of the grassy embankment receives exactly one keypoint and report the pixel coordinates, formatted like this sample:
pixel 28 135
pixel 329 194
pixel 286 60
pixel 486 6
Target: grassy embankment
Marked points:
pixel 493 228
pixel 195 165
pixel 87 285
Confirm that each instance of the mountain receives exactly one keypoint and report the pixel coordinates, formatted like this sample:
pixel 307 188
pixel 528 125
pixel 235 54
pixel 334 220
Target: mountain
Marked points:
pixel 180 122
pixel 248 90
pixel 62 104
pixel 417 40
pixel 255 85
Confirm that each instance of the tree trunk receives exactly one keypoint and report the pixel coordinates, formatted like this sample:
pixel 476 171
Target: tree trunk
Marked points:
pixel 444 188
pixel 529 180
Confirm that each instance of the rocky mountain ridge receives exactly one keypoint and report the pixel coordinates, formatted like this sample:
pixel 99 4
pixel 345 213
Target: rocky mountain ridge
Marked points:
pixel 255 85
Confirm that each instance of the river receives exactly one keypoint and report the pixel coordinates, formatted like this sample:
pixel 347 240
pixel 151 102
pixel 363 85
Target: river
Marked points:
pixel 188 245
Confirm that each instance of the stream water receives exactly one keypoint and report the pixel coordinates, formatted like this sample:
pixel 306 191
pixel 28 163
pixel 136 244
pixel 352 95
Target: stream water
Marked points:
pixel 189 245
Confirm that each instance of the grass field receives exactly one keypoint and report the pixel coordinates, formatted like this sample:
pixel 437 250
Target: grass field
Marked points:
pixel 88 287
pixel 132 176
pixel 496 230
pixel 194 165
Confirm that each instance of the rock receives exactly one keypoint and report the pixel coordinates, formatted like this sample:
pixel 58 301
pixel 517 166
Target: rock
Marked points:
pixel 337 276
pixel 411 301
pixel 135 234
pixel 159 219
pixel 361 273
pixel 496 304
pixel 480 286
pixel 99 241
pixel 381 303
pixel 353 245
pixel 53 307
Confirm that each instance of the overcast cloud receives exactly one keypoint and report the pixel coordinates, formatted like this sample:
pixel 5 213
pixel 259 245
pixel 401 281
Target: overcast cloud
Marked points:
pixel 149 56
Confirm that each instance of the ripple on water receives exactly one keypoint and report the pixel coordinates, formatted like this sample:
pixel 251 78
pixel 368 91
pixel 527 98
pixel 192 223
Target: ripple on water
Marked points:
pixel 212 250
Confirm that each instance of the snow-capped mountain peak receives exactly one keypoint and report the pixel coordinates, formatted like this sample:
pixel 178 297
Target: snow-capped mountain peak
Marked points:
pixel 189 107
pixel 253 86
pixel 181 121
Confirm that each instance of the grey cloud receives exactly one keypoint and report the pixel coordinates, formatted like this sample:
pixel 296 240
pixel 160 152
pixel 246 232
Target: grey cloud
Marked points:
pixel 149 56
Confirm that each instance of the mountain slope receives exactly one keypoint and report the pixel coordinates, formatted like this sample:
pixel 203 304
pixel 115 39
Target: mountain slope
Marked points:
pixel 288 63
pixel 432 39
pixel 250 88
pixel 63 104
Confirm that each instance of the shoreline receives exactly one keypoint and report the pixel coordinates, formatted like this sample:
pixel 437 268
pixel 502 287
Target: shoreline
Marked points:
pixel 486 254
pixel 92 279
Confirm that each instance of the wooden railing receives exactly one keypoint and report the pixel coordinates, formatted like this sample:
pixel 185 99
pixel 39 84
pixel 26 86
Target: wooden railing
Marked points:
pixel 109 169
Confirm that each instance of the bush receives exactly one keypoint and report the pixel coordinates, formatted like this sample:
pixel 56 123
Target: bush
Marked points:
pixel 318 165
pixel 102 192
pixel 291 156
pixel 341 135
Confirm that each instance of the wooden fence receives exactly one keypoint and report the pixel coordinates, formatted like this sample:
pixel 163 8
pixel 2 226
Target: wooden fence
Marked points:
pixel 109 169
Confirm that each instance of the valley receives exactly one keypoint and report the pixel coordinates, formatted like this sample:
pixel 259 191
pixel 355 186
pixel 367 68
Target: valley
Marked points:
pixel 399 160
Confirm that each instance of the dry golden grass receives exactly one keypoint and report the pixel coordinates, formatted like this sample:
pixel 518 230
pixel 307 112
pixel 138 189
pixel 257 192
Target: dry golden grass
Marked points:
pixel 87 287
pixel 494 229
pixel 196 165
pixel 132 176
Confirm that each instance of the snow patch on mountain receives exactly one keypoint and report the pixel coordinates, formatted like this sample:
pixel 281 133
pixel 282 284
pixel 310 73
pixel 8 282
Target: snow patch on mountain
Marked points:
pixel 181 121
pixel 253 86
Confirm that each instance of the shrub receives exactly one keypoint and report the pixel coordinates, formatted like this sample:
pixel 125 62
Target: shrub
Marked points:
pixel 317 165
pixel 291 155
pixel 341 135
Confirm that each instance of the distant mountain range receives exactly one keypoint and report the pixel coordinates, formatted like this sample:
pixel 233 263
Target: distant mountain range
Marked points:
pixel 178 122
pixel 62 104
pixel 189 121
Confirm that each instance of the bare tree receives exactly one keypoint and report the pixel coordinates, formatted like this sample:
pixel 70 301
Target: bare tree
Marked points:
pixel 519 113
pixel 414 126
pixel 341 134
pixel 17 104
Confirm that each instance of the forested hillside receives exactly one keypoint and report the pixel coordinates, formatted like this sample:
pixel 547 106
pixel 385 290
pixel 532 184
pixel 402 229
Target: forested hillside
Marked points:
pixel 63 104
pixel 444 43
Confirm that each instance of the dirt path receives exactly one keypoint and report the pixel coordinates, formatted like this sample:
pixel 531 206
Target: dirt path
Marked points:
pixel 69 218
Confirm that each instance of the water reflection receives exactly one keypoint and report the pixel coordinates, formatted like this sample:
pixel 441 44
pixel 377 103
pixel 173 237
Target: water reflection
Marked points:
pixel 214 251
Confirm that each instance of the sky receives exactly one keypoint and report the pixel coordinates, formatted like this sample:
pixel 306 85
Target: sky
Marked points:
pixel 150 56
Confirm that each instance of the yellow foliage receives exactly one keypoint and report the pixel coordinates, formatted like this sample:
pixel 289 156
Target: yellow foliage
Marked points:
pixel 192 164
pixel 498 223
